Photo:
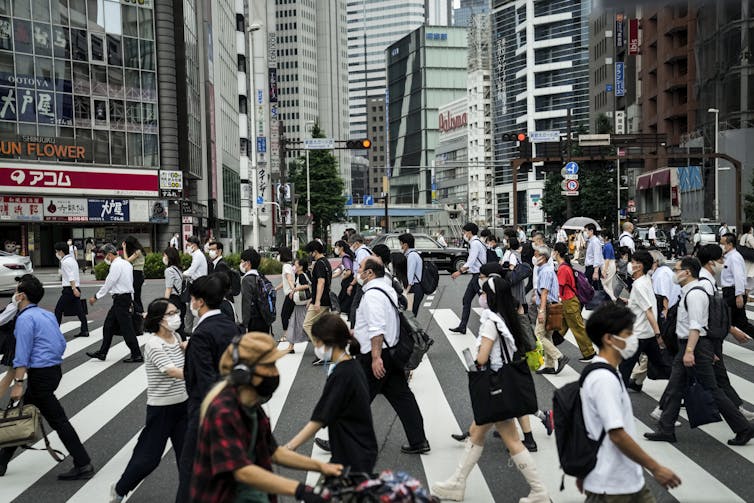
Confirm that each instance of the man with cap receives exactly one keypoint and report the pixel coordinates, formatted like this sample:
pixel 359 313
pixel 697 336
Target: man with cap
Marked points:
pixel 120 285
pixel 233 419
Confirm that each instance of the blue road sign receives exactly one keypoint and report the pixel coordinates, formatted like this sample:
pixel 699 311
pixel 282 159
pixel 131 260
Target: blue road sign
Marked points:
pixel 260 200
pixel 368 201
pixel 608 88
pixel 349 200
pixel 572 168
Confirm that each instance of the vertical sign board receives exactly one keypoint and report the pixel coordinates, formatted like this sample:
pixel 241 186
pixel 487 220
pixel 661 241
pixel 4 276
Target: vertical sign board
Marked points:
pixel 619 34
pixel 620 84
pixel 633 37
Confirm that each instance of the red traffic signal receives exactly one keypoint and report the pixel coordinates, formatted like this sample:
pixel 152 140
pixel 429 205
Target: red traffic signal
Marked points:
pixel 363 144
pixel 515 137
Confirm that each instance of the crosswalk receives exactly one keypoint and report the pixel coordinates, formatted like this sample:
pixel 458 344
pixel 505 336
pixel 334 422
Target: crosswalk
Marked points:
pixel 106 404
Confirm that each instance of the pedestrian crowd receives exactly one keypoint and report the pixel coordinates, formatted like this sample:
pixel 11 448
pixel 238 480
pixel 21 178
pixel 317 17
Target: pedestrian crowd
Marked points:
pixel 209 355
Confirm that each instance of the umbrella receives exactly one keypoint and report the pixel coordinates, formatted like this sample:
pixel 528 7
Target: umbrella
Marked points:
pixel 578 223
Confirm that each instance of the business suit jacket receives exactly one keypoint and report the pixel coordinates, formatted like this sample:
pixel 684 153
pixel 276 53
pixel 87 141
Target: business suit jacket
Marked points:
pixel 222 266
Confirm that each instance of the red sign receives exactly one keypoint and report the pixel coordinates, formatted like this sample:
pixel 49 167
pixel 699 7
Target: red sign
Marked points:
pixel 26 208
pixel 633 36
pixel 38 179
pixel 448 123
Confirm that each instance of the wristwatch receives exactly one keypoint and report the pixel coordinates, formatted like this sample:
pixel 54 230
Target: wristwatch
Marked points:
pixel 19 381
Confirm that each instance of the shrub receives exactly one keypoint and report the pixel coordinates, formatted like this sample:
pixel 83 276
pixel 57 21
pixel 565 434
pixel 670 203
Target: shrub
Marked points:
pixel 185 261
pixel 233 260
pixel 270 266
pixel 101 270
pixel 153 266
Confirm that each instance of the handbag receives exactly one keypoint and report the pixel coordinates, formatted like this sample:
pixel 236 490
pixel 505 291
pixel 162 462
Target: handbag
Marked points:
pixel 700 405
pixel 21 425
pixel 554 320
pixel 505 394
pixel 69 309
pixel 302 297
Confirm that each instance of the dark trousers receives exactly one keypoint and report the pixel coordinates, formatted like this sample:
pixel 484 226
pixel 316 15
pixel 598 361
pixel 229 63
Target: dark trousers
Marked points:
pixel 394 387
pixel 737 316
pixel 66 301
pixel 589 271
pixel 286 311
pixel 472 290
pixel 648 346
pixel 186 460
pixel 418 292
pixel 721 374
pixel 119 317
pixel 356 294
pixel 163 423
pixel 344 299
pixel 138 283
pixel 40 391
pixel 704 373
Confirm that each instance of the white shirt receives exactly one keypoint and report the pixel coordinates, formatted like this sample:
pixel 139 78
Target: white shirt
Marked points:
pixel 159 356
pixel 174 242
pixel 672 232
pixel 208 314
pixel 511 257
pixel 707 280
pixel 734 272
pixel 594 253
pixel 8 314
pixel 198 266
pixel 641 299
pixel 662 283
pixel 69 270
pixel 376 315
pixel 562 236
pixel 477 255
pixel 627 239
pixel 492 326
pixel 441 241
pixel 288 273
pixel 120 279
pixel 361 254
pixel 607 406
pixel 652 233
pixel 697 315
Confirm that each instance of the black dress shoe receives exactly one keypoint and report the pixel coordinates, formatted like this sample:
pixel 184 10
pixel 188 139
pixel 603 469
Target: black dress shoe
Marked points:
pixel 634 386
pixel 322 444
pixel 96 354
pixel 78 473
pixel 422 448
pixel 742 438
pixel 460 438
pixel 545 370
pixel 459 330
pixel 3 468
pixel 561 364
pixel 81 334
pixel 658 436
pixel 134 359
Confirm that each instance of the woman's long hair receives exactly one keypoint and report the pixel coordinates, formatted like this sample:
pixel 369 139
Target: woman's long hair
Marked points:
pixel 333 331
pixel 213 392
pixel 502 302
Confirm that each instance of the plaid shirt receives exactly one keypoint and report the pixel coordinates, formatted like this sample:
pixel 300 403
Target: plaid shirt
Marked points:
pixel 224 439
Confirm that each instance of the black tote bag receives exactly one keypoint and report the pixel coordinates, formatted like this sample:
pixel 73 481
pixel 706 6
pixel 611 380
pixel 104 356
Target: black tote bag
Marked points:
pixel 505 394
pixel 700 405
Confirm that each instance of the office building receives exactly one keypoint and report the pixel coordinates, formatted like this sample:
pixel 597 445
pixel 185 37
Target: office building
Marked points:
pixel 468 8
pixel 377 156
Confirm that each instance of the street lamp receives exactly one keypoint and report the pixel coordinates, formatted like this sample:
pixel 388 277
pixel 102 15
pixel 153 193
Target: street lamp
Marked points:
pixel 309 230
pixel 717 164
pixel 253 27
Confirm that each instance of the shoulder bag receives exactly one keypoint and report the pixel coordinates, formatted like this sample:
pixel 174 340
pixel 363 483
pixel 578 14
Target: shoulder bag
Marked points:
pixel 554 320
pixel 504 394
pixel 302 297
pixel 21 425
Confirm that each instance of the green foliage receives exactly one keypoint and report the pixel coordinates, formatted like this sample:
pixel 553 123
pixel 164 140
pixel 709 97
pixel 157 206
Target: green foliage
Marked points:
pixel 328 201
pixel 153 266
pixel 553 203
pixel 185 261
pixel 270 266
pixel 101 270
pixel 233 260
pixel 603 124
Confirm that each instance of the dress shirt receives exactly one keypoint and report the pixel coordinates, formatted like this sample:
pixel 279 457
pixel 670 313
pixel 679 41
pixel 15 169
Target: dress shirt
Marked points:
pixel 652 233
pixel 662 283
pixel 707 280
pixel 214 262
pixel 594 253
pixel 39 341
pixel 376 315
pixel 361 254
pixel 8 314
pixel 198 266
pixel 414 261
pixel 69 270
pixel 642 299
pixel 562 236
pixel 442 242
pixel 734 272
pixel 546 278
pixel 208 314
pixel 695 318
pixel 672 232
pixel 627 239
pixel 477 255
pixel 120 279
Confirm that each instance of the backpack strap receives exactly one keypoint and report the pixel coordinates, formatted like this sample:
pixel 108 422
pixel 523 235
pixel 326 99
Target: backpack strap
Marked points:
pixel 588 370
pixel 420 258
pixel 685 297
pixel 398 310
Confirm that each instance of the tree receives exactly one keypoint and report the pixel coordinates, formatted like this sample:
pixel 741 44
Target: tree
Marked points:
pixel 327 187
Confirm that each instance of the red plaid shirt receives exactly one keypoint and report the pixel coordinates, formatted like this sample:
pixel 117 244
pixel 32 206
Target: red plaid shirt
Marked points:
pixel 224 439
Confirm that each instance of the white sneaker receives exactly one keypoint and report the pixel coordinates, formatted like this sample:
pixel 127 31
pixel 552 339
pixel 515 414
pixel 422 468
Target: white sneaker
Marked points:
pixel 114 496
pixel 657 412
pixel 747 414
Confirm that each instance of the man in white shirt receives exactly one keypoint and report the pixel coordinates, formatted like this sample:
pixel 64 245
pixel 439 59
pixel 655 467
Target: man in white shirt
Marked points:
pixel 733 281
pixel 70 298
pixel 652 235
pixel 627 237
pixel 477 258
pixel 198 268
pixel 607 410
pixel 594 259
pixel 415 270
pixel 695 358
pixel 441 239
pixel 175 241
pixel 361 252
pixel 377 328
pixel 120 284
pixel 562 236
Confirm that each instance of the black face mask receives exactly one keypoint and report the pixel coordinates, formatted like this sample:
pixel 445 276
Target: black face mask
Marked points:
pixel 267 387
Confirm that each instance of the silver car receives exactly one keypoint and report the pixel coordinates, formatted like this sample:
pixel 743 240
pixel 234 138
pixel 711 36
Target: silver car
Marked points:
pixel 12 265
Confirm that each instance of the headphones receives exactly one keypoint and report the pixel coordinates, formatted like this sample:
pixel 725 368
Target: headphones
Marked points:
pixel 242 373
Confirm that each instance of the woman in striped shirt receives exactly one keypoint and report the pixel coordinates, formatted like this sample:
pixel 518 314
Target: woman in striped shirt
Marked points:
pixel 166 397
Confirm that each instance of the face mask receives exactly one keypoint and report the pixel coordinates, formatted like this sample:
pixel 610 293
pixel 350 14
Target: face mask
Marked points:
pixel 632 344
pixel 173 322
pixel 212 254
pixel 267 387
pixel 359 280
pixel 70 242
pixel 465 238
pixel 483 302
pixel 15 300
pixel 194 311
pixel 323 352
pixel 338 251
pixel 165 260
pixel 242 268
pixel 630 269
pixel 108 261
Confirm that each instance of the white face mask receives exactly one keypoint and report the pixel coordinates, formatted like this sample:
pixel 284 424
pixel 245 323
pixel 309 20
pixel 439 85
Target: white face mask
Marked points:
pixel 15 300
pixel 323 352
pixel 717 269
pixel 173 322
pixel 242 268
pixel 632 344
pixel 213 254
pixel 194 311
pixel 359 280
pixel 70 242
pixel 165 260
pixel 108 261
pixel 483 301
pixel 630 269
pixel 338 251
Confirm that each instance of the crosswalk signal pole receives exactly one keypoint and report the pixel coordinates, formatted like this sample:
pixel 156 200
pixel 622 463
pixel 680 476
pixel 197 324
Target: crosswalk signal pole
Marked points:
pixel 308 202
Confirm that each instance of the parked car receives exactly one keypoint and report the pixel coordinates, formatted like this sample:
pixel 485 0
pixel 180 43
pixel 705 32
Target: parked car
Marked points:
pixel 12 265
pixel 707 232
pixel 446 258
pixel 662 241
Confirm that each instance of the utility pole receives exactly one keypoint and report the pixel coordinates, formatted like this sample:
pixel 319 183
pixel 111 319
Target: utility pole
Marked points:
pixel 569 150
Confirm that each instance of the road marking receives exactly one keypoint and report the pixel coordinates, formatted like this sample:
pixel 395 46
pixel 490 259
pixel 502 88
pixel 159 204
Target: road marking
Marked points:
pixel 739 352
pixel 287 368
pixel 427 304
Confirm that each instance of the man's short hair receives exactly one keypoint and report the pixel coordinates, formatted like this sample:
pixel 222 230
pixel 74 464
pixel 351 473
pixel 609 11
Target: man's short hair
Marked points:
pixel 356 238
pixel 591 227
pixel 315 246
pixel 729 238
pixel 219 245
pixel 627 226
pixel 608 319
pixel 208 288
pixel 471 227
pixel 194 240
pixel 62 246
pixel 251 256
pixel 708 253
pixel 32 287
pixel 692 265
pixel 485 233
pixel 645 259
pixel 374 265
pixel 543 250
pixel 407 239
pixel 538 234
pixel 108 249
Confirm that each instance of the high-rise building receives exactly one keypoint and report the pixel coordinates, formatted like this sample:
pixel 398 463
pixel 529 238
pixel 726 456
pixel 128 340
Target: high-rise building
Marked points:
pixel 377 132
pixel 462 15
pixel 438 12
pixel 540 72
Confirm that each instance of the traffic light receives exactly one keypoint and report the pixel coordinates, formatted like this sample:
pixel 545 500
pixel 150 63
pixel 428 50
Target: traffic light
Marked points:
pixel 363 144
pixel 524 146
pixel 515 137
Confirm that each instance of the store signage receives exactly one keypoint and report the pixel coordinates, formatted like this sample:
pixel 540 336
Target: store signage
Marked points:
pixel 620 84
pixel 273 81
pixel 619 34
pixel 65 210
pixel 43 106
pixel 25 208
pixel 633 37
pixel 108 210
pixel 36 179
pixel 171 183
pixel 449 123
pixel 34 150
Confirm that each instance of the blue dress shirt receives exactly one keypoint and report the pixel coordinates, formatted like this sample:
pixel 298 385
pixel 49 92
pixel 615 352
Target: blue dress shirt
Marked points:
pixel 39 341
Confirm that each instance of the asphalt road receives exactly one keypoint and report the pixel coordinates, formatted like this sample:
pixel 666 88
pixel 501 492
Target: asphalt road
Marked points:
pixel 106 402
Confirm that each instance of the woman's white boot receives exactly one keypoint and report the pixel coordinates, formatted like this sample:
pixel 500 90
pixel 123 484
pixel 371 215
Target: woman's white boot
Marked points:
pixel 455 487
pixel 525 464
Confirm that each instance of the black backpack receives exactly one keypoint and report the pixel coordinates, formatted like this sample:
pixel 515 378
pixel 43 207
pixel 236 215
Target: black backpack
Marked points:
pixel 430 276
pixel 492 256
pixel 667 333
pixel 235 282
pixel 265 299
pixel 719 317
pixel 576 451
pixel 413 342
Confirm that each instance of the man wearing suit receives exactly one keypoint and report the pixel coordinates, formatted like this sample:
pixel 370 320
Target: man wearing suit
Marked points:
pixel 217 264
pixel 210 339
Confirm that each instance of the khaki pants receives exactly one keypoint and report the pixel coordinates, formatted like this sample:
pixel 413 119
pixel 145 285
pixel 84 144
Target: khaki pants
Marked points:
pixel 643 496
pixel 552 354
pixel 607 283
pixel 572 319
pixel 312 316
pixel 639 372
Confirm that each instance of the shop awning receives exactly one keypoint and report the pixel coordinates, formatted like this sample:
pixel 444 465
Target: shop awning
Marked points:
pixel 661 177
pixel 643 182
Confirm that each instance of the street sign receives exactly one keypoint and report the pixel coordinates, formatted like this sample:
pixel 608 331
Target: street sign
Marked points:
pixel 594 140
pixel 349 200
pixel 572 168
pixel 260 200
pixel 544 136
pixel 608 88
pixel 570 177
pixel 572 185
pixel 319 143
pixel 368 200
pixel 569 192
